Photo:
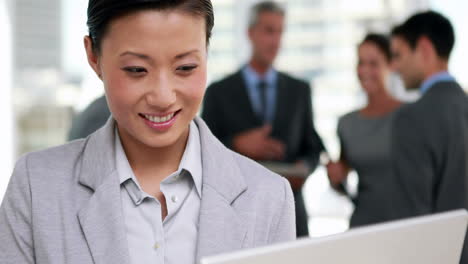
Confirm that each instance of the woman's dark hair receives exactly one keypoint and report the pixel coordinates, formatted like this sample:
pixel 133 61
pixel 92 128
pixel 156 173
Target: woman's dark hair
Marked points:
pixel 102 12
pixel 381 42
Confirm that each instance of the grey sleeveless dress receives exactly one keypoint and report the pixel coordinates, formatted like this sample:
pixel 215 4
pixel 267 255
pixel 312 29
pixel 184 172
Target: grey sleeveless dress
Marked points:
pixel 365 144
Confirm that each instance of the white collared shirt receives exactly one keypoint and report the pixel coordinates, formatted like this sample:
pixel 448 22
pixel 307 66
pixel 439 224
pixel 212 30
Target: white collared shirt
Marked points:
pixel 174 240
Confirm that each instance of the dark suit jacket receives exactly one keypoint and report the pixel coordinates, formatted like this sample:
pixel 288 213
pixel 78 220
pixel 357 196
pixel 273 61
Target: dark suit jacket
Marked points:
pixel 430 152
pixel 228 111
pixel 91 119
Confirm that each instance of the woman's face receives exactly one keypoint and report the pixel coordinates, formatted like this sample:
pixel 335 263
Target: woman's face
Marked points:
pixel 373 68
pixel 153 66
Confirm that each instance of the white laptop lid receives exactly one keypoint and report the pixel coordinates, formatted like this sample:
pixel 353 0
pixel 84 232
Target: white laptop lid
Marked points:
pixel 422 240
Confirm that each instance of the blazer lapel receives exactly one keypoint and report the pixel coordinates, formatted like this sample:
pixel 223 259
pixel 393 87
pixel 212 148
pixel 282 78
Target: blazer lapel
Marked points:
pixel 221 227
pixel 244 107
pixel 283 104
pixel 102 219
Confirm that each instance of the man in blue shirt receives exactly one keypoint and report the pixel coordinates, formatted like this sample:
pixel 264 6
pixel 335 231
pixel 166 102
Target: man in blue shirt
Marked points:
pixel 263 113
pixel 430 136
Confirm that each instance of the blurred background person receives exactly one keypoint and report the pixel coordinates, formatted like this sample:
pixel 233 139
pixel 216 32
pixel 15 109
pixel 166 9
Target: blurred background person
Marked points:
pixel 263 113
pixel 430 136
pixel 365 137
pixel 89 120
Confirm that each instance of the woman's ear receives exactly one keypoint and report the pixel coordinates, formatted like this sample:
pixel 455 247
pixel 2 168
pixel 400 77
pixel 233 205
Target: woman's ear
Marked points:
pixel 93 58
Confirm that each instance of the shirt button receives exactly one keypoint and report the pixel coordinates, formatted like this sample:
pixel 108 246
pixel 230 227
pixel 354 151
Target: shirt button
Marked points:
pixel 174 199
pixel 156 246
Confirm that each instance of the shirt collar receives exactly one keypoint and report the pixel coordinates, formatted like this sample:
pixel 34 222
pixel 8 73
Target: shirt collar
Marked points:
pixel 438 77
pixel 190 162
pixel 123 167
pixel 253 77
pixel 191 159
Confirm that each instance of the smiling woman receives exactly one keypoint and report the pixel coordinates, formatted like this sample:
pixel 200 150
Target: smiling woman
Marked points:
pixel 365 137
pixel 153 182
pixel 153 87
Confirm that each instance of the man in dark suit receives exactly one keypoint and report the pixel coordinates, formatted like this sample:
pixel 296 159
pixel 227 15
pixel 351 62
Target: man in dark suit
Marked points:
pixel 265 114
pixel 430 136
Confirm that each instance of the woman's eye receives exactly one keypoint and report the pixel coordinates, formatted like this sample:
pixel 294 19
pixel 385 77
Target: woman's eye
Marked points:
pixel 186 68
pixel 135 70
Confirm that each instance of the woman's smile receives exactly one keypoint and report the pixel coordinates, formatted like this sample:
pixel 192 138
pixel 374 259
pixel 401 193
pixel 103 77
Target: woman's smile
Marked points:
pixel 160 122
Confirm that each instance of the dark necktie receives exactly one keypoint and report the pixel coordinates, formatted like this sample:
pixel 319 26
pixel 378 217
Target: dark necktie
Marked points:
pixel 262 86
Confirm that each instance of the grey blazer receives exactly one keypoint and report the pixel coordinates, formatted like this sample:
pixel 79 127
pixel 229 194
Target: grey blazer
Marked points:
pixel 430 154
pixel 63 204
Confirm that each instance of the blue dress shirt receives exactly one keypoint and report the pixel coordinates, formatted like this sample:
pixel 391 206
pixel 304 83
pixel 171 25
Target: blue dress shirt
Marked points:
pixel 252 79
pixel 438 77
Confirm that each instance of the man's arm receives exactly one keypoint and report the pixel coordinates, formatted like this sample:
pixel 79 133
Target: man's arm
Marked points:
pixel 414 165
pixel 450 183
pixel 212 115
pixel 312 145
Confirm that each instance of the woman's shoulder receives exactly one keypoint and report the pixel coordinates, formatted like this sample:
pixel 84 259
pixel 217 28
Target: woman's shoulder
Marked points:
pixel 350 116
pixel 52 160
pixel 363 117
pixel 254 174
pixel 258 177
pixel 348 119
pixel 270 197
pixel 58 153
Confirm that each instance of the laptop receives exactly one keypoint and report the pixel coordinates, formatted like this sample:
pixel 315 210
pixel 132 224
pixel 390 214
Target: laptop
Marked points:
pixel 430 239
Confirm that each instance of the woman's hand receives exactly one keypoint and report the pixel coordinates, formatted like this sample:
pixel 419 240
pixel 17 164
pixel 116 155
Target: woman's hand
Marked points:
pixel 337 172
